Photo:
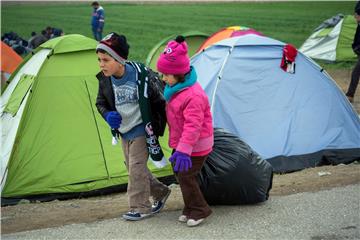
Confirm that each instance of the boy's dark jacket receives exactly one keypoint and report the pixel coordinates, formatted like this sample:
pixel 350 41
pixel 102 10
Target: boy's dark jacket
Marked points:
pixel 105 100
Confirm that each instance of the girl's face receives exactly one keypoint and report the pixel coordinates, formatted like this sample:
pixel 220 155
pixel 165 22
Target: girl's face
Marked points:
pixel 169 79
pixel 109 66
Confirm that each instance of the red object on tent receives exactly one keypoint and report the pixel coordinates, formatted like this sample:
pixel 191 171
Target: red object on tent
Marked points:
pixel 227 32
pixel 10 60
pixel 288 59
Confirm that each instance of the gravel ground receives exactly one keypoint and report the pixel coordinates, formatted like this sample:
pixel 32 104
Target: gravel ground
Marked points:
pixel 329 214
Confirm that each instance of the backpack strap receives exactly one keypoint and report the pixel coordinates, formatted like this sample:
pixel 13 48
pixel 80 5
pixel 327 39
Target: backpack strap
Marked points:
pixel 155 152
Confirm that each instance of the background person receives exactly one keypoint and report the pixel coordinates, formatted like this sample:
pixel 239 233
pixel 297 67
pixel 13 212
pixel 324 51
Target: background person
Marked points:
pixel 97 20
pixel 356 47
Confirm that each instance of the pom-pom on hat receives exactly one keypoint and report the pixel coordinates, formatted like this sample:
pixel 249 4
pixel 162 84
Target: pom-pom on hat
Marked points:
pixel 116 46
pixel 175 59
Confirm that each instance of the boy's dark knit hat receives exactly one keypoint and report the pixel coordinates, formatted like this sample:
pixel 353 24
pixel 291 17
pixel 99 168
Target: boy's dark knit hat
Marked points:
pixel 116 46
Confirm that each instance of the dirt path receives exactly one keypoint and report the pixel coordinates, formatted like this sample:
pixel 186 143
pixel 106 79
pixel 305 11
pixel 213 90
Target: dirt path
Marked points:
pixel 57 213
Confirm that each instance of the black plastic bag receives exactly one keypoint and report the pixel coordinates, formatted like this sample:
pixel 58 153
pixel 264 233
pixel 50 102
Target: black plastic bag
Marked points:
pixel 234 173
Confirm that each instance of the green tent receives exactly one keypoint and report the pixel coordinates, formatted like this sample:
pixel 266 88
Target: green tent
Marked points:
pixel 54 141
pixel 194 39
pixel 332 40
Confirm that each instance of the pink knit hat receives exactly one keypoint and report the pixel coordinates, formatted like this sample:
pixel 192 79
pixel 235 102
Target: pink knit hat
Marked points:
pixel 175 59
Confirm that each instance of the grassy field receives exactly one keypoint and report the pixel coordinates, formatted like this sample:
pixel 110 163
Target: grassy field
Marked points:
pixel 146 24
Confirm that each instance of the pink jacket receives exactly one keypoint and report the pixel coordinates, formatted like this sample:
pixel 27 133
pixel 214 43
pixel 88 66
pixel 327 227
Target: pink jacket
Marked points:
pixel 190 122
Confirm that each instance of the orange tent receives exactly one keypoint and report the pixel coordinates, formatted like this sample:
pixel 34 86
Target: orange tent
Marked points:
pixel 9 59
pixel 227 32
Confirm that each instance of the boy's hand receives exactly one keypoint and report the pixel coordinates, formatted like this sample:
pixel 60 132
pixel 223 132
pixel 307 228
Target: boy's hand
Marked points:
pixel 113 118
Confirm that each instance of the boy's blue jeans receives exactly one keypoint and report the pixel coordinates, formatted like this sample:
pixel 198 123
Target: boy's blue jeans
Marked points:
pixel 97 34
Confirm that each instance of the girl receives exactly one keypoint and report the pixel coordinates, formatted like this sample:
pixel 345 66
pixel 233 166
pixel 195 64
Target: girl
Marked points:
pixel 190 127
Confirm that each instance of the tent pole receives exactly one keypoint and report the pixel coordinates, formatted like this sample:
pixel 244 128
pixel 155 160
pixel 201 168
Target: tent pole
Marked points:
pixel 97 129
pixel 219 78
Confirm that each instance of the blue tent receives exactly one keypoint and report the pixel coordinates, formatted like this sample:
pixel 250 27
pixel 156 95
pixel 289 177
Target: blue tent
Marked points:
pixel 295 120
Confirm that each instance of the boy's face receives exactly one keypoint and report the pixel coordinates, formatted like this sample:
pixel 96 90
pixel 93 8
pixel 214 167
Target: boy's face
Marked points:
pixel 169 79
pixel 109 66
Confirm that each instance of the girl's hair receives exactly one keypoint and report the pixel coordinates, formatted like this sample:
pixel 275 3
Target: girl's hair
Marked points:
pixel 180 77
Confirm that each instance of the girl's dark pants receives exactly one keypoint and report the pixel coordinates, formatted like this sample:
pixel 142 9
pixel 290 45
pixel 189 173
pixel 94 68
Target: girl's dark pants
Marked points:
pixel 195 205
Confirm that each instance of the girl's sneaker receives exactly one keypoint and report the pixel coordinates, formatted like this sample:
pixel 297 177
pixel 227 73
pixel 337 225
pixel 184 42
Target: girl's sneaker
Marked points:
pixel 193 223
pixel 183 218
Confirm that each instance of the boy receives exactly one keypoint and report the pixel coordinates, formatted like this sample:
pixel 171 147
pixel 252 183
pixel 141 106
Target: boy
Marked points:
pixel 130 100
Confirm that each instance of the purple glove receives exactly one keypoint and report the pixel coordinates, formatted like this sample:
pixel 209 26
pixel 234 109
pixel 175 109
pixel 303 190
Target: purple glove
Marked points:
pixel 182 161
pixel 113 118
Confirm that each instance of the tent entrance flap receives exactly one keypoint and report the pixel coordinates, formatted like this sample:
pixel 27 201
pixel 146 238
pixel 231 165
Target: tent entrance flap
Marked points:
pixel 19 94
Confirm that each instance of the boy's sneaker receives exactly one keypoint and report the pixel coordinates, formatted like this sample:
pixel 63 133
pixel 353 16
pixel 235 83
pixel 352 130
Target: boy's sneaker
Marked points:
pixel 193 223
pixel 135 216
pixel 183 218
pixel 158 205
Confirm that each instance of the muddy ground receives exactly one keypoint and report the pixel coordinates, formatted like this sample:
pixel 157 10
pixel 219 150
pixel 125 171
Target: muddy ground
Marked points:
pixel 31 216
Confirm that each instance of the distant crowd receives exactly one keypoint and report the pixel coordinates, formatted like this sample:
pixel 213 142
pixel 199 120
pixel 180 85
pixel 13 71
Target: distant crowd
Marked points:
pixel 22 46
